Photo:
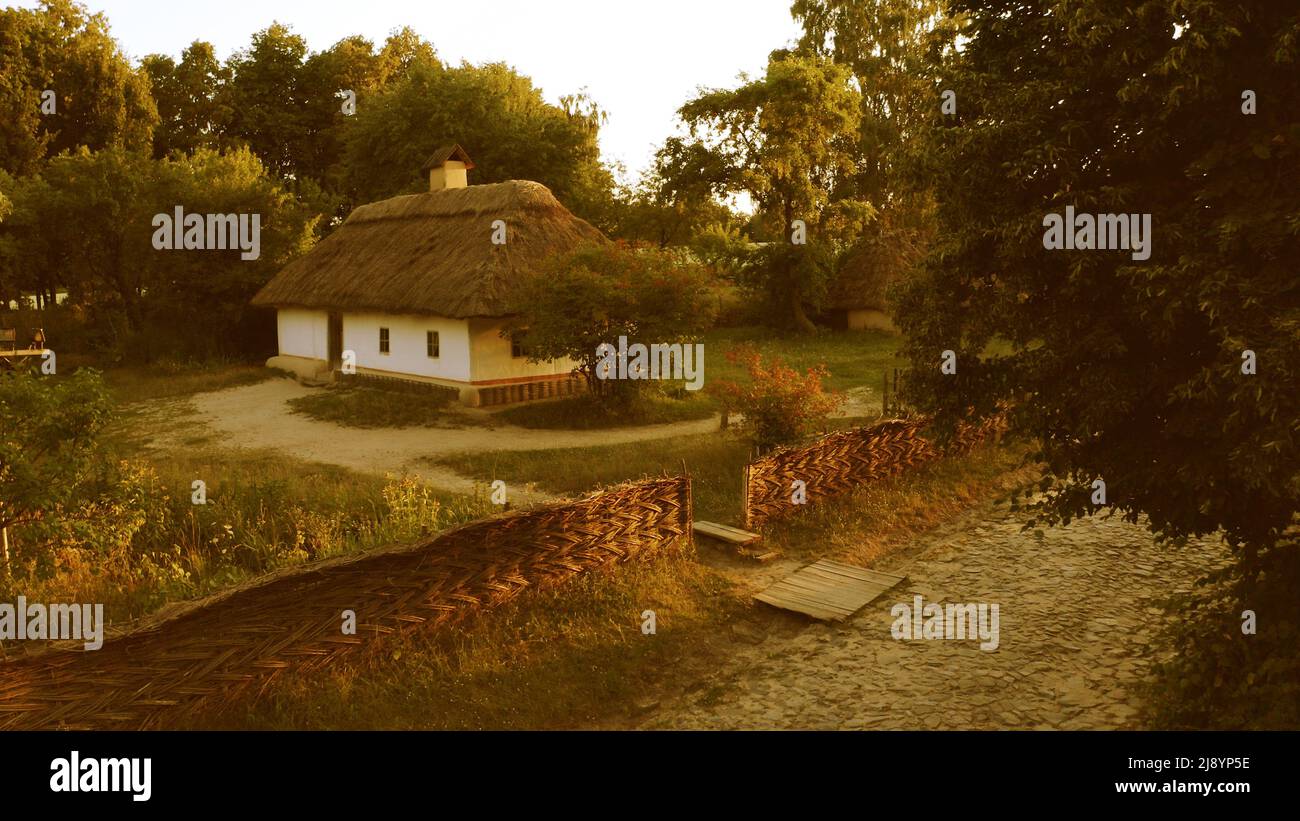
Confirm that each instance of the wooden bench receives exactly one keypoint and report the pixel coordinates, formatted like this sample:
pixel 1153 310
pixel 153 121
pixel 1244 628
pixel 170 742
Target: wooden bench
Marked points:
pixel 9 343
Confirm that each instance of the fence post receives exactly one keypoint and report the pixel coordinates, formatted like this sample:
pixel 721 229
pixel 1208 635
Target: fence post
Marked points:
pixel 744 493
pixel 688 507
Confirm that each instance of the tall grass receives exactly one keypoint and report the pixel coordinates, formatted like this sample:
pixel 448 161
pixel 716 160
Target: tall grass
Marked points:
pixel 263 511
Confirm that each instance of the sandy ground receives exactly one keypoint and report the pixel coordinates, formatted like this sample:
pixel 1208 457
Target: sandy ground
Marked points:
pixel 257 416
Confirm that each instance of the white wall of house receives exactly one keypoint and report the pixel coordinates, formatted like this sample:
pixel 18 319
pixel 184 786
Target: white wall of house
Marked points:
pixel 302 332
pixel 492 359
pixel 408 352
pixel 860 319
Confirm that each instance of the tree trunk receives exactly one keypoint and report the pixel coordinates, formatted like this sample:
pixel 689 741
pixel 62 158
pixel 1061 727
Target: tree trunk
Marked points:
pixel 801 321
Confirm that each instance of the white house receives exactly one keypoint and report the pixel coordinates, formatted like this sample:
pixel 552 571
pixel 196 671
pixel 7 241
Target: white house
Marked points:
pixel 418 287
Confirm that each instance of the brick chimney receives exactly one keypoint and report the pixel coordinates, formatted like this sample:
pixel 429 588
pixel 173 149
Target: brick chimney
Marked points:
pixel 448 168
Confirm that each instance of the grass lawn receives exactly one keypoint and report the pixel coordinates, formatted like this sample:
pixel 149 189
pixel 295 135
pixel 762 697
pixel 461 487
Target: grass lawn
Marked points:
pixel 854 358
pixel 358 406
pixel 713 460
pixel 585 413
pixel 169 380
pixel 264 510
pixel 716 461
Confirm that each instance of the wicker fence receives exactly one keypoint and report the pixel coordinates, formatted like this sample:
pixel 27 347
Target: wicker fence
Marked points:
pixel 842 462
pixel 219 648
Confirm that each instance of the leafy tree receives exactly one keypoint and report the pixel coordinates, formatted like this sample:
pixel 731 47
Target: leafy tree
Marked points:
pixel 894 49
pixel 1129 371
pixel 402 50
pixel 497 115
pixel 100 100
pixel 594 295
pixel 68 230
pixel 191 111
pixel 266 98
pixel 786 140
pixel 86 223
pixel 197 302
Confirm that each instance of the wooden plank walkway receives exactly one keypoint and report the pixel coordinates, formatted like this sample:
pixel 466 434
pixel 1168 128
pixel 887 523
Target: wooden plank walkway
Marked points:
pixel 828 590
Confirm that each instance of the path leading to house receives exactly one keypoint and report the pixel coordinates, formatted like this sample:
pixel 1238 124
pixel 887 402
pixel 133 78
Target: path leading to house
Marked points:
pixel 258 416
pixel 1076 612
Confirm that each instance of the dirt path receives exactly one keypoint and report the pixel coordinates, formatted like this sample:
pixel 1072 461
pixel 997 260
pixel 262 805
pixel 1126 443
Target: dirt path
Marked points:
pixel 1075 609
pixel 257 416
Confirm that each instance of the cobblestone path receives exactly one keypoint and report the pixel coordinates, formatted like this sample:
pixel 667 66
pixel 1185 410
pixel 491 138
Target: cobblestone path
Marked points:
pixel 1076 617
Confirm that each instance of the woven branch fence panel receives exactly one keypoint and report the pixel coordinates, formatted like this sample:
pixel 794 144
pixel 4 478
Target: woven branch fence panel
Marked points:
pixel 844 461
pixel 221 648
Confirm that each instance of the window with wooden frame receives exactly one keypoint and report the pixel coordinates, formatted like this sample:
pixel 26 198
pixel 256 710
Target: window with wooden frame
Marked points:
pixel 431 344
pixel 518 348
pixel 383 340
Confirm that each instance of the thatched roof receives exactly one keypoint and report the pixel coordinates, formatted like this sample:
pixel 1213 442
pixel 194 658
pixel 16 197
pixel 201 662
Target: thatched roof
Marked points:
pixel 879 258
pixel 432 253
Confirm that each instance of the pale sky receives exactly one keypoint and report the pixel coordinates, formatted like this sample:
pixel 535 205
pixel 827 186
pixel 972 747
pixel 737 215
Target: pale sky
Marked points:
pixel 638 59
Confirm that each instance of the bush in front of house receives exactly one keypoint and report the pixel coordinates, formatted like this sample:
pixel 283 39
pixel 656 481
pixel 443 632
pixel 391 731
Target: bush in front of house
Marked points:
pixel 592 296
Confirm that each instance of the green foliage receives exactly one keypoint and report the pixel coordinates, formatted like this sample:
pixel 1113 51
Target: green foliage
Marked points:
pixel 48 441
pixel 192 112
pixel 779 405
pixel 57 491
pixel 496 114
pixel 787 140
pixel 1127 370
pixel 86 224
pixel 598 293
pixel 1220 678
pixel 895 49
pixel 100 100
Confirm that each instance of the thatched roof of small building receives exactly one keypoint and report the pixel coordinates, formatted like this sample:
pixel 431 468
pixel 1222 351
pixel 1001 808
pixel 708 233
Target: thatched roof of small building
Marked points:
pixel 432 253
pixel 878 259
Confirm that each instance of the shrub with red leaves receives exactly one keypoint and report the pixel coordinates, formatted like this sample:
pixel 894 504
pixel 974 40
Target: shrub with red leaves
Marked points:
pixel 779 406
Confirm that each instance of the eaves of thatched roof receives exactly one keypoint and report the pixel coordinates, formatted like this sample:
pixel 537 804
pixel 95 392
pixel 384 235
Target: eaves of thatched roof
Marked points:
pixel 432 253
pixel 878 259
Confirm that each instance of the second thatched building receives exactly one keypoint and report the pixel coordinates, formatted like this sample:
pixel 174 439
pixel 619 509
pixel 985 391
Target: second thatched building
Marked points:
pixel 419 287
